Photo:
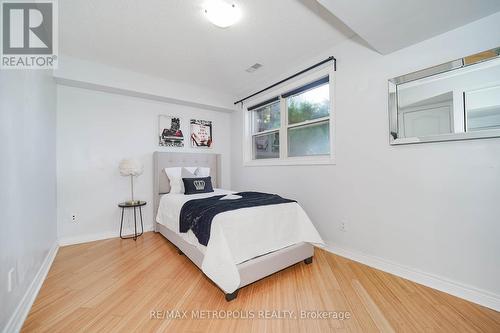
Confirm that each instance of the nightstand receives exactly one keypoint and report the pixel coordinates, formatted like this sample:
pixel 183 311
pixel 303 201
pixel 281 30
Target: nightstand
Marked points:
pixel 136 206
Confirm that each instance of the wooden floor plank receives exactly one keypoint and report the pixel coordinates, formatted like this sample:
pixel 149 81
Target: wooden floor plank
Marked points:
pixel 115 285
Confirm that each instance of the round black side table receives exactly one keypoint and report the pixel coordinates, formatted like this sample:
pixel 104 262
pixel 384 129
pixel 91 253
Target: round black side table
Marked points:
pixel 136 205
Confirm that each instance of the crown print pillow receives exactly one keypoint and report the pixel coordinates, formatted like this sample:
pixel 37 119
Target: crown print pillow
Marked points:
pixel 197 185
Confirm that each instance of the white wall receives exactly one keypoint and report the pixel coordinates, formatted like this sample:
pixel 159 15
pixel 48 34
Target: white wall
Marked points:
pixel 431 207
pixel 27 184
pixel 95 130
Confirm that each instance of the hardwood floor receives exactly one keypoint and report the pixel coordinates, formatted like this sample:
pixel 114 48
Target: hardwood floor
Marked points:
pixel 114 285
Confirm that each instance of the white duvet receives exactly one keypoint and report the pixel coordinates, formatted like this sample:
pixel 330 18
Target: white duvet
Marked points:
pixel 239 235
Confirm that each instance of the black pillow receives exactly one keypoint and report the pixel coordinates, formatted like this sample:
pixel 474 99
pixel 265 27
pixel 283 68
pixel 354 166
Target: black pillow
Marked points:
pixel 197 185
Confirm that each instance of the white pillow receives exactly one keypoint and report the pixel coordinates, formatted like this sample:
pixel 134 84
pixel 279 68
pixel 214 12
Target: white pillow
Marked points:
pixel 175 177
pixel 187 173
pixel 202 172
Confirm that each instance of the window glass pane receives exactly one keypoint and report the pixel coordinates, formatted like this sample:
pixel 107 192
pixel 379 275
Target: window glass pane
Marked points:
pixel 266 146
pixel 312 104
pixel 266 118
pixel 309 140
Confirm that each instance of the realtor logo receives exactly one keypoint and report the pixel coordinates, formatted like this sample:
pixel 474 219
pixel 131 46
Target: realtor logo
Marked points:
pixel 29 35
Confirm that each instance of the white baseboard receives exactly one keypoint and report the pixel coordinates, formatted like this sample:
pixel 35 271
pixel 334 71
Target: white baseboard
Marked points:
pixel 72 240
pixel 469 293
pixel 17 319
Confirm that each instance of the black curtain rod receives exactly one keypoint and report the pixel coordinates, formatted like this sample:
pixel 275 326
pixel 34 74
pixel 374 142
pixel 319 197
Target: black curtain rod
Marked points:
pixel 291 77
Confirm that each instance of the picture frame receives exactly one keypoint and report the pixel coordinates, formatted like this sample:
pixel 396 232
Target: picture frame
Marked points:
pixel 201 133
pixel 170 131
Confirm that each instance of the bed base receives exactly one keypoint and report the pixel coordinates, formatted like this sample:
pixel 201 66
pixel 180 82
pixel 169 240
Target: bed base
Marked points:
pixel 251 270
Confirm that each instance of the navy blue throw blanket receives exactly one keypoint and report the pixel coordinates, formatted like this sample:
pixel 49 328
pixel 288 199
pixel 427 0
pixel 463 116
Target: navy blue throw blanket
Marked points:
pixel 197 214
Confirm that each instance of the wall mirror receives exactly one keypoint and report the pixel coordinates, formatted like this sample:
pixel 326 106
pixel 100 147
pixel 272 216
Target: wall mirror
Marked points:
pixel 458 100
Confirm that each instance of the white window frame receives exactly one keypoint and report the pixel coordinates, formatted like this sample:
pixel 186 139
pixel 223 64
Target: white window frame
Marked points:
pixel 269 131
pixel 283 130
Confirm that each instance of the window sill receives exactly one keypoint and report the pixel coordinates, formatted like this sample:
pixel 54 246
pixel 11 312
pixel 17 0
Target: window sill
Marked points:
pixel 329 160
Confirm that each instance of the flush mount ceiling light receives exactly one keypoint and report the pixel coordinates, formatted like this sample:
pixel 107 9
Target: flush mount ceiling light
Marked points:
pixel 221 13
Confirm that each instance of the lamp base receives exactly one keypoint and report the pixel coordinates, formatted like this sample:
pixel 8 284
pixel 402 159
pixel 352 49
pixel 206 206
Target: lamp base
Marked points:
pixel 132 202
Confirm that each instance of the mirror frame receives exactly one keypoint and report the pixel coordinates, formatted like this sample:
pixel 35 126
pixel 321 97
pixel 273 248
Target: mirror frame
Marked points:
pixel 439 69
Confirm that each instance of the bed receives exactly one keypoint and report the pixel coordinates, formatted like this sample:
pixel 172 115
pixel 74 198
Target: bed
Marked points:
pixel 229 266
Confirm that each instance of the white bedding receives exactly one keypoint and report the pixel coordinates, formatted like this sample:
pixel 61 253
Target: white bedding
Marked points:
pixel 239 235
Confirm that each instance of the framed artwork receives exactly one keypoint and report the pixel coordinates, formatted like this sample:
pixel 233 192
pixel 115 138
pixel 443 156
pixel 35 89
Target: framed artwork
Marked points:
pixel 201 133
pixel 169 132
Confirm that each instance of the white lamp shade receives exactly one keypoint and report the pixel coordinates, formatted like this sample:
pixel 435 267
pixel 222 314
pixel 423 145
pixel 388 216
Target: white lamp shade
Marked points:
pixel 131 167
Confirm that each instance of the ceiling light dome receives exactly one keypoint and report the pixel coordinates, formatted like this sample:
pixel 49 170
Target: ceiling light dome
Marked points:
pixel 221 13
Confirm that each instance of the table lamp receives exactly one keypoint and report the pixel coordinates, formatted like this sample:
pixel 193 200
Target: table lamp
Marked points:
pixel 133 168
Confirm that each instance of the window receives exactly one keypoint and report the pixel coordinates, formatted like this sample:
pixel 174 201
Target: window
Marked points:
pixel 308 127
pixel 293 127
pixel 265 129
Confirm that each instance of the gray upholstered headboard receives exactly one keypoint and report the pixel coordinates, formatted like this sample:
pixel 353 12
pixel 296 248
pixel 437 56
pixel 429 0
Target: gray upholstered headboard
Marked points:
pixel 162 160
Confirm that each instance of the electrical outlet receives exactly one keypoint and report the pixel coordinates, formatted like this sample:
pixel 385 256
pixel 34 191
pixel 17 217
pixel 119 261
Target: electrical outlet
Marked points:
pixel 10 279
pixel 343 225
pixel 73 218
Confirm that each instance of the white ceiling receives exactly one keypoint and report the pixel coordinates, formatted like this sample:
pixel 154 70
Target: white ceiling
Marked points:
pixel 389 25
pixel 173 40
